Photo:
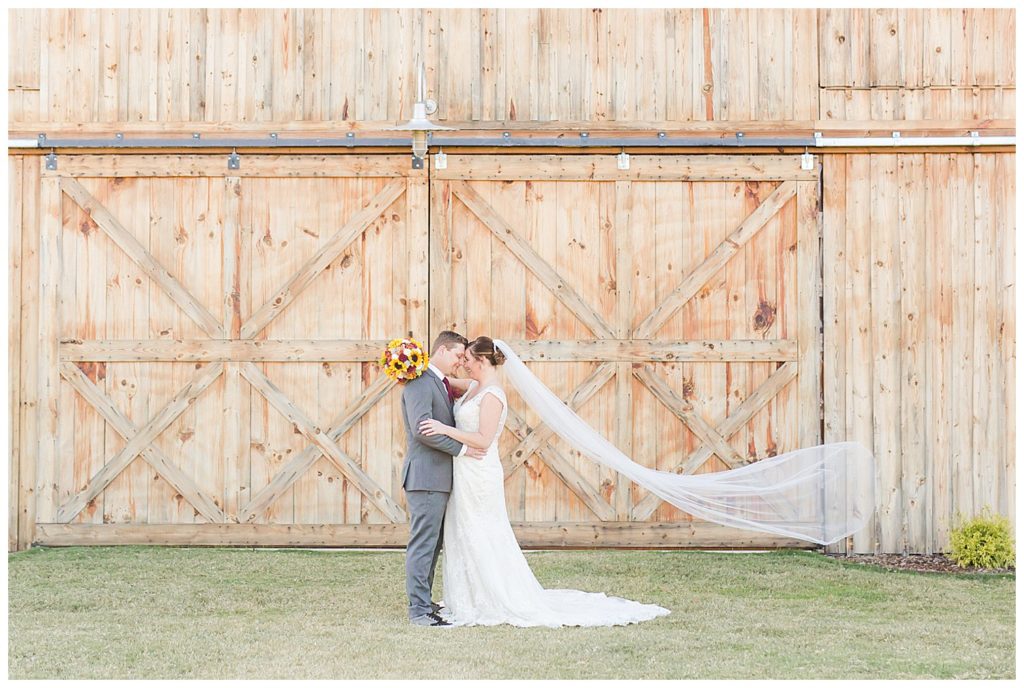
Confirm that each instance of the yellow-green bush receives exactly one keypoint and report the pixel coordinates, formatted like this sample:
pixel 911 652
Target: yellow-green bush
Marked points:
pixel 983 541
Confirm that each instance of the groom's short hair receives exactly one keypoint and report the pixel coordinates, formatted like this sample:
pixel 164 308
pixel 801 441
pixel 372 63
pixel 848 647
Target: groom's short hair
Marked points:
pixel 448 339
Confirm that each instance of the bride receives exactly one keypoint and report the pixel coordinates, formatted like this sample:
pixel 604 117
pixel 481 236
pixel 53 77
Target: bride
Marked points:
pixel 487 580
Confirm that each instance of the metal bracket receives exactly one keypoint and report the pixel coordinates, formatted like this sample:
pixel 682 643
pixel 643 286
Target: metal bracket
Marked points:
pixel 975 137
pixel 234 162
pixel 622 160
pixel 51 160
pixel 417 163
pixel 440 160
pixel 806 161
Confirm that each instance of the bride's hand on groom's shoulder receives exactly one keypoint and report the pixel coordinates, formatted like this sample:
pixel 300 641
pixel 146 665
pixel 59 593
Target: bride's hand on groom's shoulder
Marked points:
pixel 432 426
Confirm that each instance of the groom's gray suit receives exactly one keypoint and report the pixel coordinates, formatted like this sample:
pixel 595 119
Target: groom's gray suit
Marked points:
pixel 427 480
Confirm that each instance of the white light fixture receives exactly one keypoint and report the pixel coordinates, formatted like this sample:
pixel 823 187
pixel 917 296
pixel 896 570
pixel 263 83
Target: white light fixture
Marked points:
pixel 419 125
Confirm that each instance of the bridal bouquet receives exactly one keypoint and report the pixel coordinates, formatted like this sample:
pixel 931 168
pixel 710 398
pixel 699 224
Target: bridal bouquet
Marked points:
pixel 404 359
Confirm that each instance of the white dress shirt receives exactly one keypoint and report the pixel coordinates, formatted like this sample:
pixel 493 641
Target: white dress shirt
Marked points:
pixel 432 367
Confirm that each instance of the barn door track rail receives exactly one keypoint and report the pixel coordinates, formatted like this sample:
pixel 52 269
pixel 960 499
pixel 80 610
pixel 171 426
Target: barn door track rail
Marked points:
pixel 506 140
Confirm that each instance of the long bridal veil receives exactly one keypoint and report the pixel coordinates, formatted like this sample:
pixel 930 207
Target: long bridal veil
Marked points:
pixel 821 494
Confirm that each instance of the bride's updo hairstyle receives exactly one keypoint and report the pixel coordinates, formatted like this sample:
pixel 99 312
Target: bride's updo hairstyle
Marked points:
pixel 483 347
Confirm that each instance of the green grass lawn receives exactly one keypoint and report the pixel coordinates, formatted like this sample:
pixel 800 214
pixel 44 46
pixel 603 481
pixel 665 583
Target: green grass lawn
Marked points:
pixel 151 612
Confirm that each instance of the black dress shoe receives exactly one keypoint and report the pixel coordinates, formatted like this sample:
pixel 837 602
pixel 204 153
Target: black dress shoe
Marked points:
pixel 438 621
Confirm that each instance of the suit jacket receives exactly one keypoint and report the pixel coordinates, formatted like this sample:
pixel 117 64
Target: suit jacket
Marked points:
pixel 428 460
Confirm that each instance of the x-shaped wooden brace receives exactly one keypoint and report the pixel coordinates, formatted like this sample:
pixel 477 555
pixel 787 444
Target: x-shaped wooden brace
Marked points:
pixel 298 466
pixel 713 440
pixel 324 443
pixel 352 229
pixel 716 260
pixel 145 260
pixel 534 440
pixel 140 440
pixel 533 261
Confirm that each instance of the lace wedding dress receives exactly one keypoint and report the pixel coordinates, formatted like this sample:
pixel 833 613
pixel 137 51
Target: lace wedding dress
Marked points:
pixel 487 580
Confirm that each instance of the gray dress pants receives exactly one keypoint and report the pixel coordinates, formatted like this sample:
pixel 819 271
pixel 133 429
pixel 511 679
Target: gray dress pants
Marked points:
pixel 426 533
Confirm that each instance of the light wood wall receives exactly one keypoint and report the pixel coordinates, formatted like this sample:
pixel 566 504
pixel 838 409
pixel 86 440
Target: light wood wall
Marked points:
pixel 932 394
pixel 920 334
pixel 571 65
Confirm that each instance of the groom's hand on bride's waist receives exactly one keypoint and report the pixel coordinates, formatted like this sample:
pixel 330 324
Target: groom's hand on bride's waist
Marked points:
pixel 474 453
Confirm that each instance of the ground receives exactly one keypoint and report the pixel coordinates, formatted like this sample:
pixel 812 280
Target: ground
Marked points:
pixel 224 613
pixel 939 563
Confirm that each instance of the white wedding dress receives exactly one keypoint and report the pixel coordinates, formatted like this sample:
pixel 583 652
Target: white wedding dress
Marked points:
pixel 487 580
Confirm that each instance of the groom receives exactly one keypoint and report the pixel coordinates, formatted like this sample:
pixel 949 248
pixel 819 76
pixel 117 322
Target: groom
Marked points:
pixel 427 472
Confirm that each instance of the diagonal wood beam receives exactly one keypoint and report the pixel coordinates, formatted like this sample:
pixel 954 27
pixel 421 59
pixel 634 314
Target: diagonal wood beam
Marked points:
pixel 716 261
pixel 203 378
pixel 138 253
pixel 533 261
pixel 685 412
pixel 352 229
pixel 540 434
pixel 175 477
pixel 305 460
pixel 304 424
pixel 564 469
pixel 785 374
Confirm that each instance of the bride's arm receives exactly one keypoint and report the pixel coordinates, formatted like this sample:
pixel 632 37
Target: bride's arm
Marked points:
pixel 460 383
pixel 490 414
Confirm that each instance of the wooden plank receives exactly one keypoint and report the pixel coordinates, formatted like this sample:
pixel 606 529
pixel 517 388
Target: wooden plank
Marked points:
pixel 536 438
pixel 529 535
pixel 348 233
pixel 803 59
pixel 295 350
pixel 1004 41
pixel 834 307
pixel 913 290
pixel 166 469
pixel 859 358
pixel 1006 249
pixel 911 32
pixel 256 165
pixel 130 245
pixel 938 277
pixel 337 131
pixel 139 441
pixel 125 314
pixel 624 267
pixel 17 193
pixel 563 468
pixel 690 415
pixel 29 364
pixel 600 167
pixel 716 260
pixel 42 504
pixel 987 372
pixel 808 306
pixel 885 337
pixel 234 424
pixel 965 320
pixel 323 442
pixel 786 373
pixel 937 46
pixel 885 58
pixel 440 247
pixel 533 261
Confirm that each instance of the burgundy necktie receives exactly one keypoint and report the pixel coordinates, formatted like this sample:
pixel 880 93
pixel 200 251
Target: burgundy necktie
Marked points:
pixel 451 397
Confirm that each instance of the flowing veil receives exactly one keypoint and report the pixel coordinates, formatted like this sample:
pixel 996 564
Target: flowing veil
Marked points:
pixel 821 494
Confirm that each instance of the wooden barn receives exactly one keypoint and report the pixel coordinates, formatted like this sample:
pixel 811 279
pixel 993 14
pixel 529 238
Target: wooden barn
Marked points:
pixel 719 235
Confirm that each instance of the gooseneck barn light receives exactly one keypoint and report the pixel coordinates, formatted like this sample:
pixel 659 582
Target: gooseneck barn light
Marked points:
pixel 419 125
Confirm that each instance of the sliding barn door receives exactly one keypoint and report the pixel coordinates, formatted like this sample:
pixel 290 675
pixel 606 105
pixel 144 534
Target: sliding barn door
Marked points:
pixel 673 305
pixel 209 341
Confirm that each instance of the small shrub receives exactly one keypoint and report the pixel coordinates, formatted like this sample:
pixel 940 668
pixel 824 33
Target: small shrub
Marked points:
pixel 983 541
